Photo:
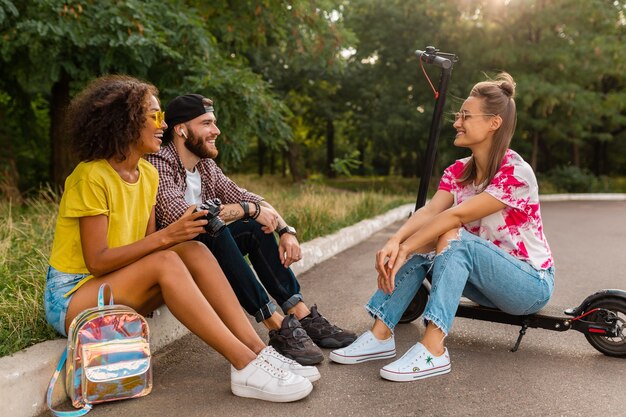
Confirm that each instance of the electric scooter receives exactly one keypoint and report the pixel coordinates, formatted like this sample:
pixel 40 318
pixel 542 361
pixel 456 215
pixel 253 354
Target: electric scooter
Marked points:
pixel 601 317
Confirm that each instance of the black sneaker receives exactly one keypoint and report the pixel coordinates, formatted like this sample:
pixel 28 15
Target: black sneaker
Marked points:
pixel 292 341
pixel 325 334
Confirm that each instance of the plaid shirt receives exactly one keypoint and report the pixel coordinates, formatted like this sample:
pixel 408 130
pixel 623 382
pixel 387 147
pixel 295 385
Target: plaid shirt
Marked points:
pixel 171 204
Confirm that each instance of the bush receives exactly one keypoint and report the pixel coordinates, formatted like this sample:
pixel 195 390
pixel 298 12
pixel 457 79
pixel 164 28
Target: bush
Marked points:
pixel 572 179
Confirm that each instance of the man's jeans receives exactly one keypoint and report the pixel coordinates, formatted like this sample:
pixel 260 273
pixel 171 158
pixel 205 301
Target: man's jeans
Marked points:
pixel 246 238
pixel 472 267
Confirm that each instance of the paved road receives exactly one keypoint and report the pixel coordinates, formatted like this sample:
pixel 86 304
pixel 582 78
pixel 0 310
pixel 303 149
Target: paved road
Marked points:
pixel 553 374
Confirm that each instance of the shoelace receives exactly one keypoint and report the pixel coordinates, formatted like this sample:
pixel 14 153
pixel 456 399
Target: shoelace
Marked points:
pixel 271 369
pixel 270 351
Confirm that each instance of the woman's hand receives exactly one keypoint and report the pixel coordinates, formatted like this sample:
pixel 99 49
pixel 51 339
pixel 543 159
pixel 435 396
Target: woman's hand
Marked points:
pixel 386 257
pixel 187 227
pixel 386 281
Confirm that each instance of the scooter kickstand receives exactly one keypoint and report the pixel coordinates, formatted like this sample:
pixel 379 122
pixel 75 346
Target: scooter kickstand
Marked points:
pixel 522 332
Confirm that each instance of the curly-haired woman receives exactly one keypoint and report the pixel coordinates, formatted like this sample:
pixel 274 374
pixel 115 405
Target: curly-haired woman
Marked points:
pixel 480 235
pixel 106 232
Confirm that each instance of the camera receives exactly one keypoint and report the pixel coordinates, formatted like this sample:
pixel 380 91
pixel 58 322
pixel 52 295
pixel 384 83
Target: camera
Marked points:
pixel 215 225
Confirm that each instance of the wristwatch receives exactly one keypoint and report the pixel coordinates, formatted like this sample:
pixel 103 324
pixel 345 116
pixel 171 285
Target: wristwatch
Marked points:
pixel 287 229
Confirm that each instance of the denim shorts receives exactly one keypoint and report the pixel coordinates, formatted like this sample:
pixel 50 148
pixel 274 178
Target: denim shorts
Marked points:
pixel 55 303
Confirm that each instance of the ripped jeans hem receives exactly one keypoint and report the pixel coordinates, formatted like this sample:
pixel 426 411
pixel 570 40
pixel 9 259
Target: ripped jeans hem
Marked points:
pixel 436 321
pixel 376 314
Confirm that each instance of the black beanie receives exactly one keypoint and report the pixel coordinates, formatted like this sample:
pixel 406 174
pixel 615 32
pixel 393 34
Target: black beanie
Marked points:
pixel 181 110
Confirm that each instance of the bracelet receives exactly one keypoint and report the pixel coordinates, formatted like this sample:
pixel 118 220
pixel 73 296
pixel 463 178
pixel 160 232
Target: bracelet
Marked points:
pixel 246 210
pixel 258 210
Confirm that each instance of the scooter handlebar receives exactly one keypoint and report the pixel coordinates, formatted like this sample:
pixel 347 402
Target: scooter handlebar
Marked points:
pixel 432 58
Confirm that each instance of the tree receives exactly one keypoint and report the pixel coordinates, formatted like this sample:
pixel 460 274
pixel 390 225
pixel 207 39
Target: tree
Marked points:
pixel 294 46
pixel 51 49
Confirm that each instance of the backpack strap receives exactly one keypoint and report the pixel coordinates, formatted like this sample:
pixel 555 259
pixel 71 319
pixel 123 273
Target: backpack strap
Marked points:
pixel 55 376
pixel 101 295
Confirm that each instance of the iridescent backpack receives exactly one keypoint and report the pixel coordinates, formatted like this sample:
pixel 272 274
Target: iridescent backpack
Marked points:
pixel 108 357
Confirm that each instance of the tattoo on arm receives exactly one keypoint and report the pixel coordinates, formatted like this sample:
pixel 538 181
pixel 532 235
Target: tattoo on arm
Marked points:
pixel 229 215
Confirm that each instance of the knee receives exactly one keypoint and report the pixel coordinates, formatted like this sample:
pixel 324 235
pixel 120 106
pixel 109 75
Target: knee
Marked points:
pixel 196 249
pixel 168 263
pixel 444 240
pixel 255 230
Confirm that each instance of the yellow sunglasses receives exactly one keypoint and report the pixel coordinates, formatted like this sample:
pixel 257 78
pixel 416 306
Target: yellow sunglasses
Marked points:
pixel 159 118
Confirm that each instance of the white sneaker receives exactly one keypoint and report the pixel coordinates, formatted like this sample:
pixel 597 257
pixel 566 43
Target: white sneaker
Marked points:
pixel 279 361
pixel 365 348
pixel 263 381
pixel 416 363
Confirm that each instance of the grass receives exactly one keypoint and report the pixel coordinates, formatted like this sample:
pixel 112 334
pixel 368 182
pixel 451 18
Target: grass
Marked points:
pixel 26 234
pixel 318 209
pixel 25 242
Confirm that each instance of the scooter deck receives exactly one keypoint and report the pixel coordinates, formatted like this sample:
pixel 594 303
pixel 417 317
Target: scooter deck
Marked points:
pixel 550 317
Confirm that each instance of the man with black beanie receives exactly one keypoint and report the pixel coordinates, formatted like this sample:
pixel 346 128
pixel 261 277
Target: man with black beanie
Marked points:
pixel 189 175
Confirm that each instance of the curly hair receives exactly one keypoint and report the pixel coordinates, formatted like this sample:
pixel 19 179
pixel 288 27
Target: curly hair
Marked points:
pixel 106 118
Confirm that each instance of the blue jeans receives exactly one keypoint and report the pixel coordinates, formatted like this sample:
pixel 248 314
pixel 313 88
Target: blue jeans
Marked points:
pixel 472 267
pixel 239 239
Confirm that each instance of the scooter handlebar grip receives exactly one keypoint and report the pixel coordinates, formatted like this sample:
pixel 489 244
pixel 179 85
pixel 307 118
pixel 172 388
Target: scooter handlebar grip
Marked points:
pixel 439 61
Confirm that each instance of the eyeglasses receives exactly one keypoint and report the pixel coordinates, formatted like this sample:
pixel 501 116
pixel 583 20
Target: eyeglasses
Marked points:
pixel 158 117
pixel 464 116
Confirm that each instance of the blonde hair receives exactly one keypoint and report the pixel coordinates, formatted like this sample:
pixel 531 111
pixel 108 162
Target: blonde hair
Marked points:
pixel 496 98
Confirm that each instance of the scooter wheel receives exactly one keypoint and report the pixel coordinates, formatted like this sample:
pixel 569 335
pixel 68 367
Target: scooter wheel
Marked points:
pixel 610 346
pixel 417 306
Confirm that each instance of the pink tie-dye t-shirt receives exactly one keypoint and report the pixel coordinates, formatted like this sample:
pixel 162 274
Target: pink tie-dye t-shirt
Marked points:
pixel 517 228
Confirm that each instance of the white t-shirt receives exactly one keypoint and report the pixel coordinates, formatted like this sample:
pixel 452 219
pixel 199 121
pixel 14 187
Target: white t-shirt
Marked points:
pixel 193 193
pixel 517 228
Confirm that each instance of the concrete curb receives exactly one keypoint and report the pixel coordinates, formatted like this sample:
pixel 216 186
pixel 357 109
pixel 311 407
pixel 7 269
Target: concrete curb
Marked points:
pixel 24 376
pixel 583 197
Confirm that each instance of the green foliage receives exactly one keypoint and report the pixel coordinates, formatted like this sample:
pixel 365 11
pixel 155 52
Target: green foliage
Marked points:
pixel 314 79
pixel 345 165
pixel 25 242
pixel 572 179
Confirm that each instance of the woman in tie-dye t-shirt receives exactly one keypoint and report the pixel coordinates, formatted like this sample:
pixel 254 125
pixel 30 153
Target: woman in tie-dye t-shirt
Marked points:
pixel 480 236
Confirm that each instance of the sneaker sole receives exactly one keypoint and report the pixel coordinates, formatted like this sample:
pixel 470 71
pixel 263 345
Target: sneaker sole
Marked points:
pixel 352 360
pixel 304 360
pixel 331 343
pixel 413 376
pixel 251 392
pixel 312 377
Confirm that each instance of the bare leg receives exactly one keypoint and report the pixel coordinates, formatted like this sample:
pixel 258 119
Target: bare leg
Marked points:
pixel 274 322
pixel 300 310
pixel 163 276
pixel 216 289
pixel 380 330
pixel 433 339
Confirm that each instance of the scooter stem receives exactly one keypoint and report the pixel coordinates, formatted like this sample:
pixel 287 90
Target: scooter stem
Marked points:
pixel 445 62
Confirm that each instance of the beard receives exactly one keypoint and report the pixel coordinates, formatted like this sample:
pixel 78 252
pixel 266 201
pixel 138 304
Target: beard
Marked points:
pixel 198 146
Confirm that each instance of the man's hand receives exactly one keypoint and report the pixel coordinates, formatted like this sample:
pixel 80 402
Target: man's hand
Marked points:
pixel 289 249
pixel 268 218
